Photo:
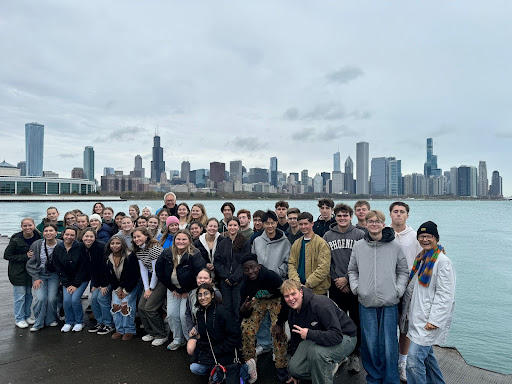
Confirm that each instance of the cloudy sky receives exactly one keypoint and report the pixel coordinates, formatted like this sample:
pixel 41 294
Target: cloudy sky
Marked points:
pixel 226 80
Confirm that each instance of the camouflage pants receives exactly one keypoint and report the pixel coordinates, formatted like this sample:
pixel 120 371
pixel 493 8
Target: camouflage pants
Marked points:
pixel 251 325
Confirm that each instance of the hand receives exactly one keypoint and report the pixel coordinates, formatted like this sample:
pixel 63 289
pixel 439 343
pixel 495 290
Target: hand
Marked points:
pixel 247 305
pixel 122 295
pixel 175 294
pixel 37 284
pixel 210 266
pixel 277 332
pixel 147 293
pixel 93 289
pixel 345 289
pixel 30 254
pixel 192 332
pixel 228 282
pixel 430 327
pixel 184 295
pixel 293 380
pixel 104 290
pixel 71 289
pixel 340 282
pixel 303 332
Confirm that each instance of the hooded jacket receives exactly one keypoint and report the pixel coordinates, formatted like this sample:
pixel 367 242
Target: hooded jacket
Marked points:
pixel 341 244
pixel 320 226
pixel 72 266
pixel 16 254
pixel 273 253
pixel 326 323
pixel 410 245
pixel 377 271
pixel 227 258
pixel 186 271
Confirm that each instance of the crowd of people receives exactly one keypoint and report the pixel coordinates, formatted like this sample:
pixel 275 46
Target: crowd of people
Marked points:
pixel 316 293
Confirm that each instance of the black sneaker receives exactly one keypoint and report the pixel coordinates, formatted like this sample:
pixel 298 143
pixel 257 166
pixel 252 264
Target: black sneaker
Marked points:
pixel 283 374
pixel 95 328
pixel 105 330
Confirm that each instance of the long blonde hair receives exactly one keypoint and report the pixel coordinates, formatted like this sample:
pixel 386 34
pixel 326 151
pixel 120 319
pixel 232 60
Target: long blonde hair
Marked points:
pixel 189 249
pixel 204 217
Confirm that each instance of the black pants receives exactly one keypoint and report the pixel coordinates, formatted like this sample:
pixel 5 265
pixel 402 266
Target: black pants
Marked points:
pixel 349 304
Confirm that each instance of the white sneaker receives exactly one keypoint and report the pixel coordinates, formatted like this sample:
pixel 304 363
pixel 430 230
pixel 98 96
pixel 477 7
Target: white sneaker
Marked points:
pixel 34 329
pixel 335 367
pixel 253 372
pixel 31 321
pixel 22 324
pixel 78 327
pixel 353 364
pixel 148 337
pixel 54 324
pixel 159 342
pixel 402 370
pixel 66 328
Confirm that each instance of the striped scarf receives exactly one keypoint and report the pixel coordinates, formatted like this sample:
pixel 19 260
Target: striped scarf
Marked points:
pixel 425 263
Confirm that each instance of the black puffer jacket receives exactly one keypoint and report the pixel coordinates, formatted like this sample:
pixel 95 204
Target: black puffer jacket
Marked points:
pixel 227 258
pixel 130 275
pixel 224 332
pixel 186 271
pixel 72 266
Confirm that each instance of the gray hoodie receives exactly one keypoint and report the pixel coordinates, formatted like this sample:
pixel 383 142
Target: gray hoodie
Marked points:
pixel 341 244
pixel 273 254
pixel 377 271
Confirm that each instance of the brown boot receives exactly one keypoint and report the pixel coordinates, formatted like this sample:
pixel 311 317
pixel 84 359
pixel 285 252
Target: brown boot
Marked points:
pixel 117 335
pixel 128 336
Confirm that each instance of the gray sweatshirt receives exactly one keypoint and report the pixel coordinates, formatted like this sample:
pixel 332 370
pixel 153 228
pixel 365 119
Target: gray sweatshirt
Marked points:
pixel 378 271
pixel 341 244
pixel 273 254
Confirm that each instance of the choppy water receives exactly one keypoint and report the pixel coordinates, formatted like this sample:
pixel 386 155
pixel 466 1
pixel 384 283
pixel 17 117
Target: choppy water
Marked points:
pixel 476 235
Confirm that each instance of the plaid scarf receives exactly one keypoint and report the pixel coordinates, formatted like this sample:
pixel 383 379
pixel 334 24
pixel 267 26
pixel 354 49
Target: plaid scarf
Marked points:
pixel 425 263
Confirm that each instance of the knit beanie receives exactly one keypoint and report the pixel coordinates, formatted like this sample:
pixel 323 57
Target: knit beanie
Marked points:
pixel 429 227
pixel 171 219
pixel 149 208
pixel 95 216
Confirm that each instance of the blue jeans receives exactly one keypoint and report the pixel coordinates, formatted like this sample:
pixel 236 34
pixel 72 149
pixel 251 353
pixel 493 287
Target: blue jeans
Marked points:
pixel 422 367
pixel 46 297
pixel 263 336
pixel 176 317
pixel 73 304
pixel 100 305
pixel 379 344
pixel 231 298
pixel 125 323
pixel 22 301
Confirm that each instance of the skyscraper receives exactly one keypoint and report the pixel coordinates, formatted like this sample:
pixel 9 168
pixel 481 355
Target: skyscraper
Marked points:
pixel 185 171
pixel 362 168
pixel 483 182
pixel 336 162
pixel 349 176
pixel 496 188
pixel 394 177
pixel 467 181
pixel 108 171
pixel 89 163
pixel 217 172
pixel 454 181
pixel 430 167
pixel 158 163
pixel 273 171
pixel 379 177
pixel 77 173
pixel 22 165
pixel 138 171
pixel 34 148
pixel 304 177
pixel 235 170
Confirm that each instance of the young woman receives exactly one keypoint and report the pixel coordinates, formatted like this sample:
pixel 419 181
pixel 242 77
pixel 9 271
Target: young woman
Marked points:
pixel 18 253
pixel 102 230
pixel 203 277
pixel 196 229
pixel 207 242
pixel 227 264
pixel 134 211
pixel 124 275
pixel 219 334
pixel 82 222
pixel 198 214
pixel 69 219
pixel 74 273
pixel 146 212
pixel 141 221
pixel 167 236
pixel 45 280
pixel 177 269
pixel 98 209
pixel 94 250
pixel 148 250
pixel 108 218
pixel 183 214
pixel 153 226
pixel 163 214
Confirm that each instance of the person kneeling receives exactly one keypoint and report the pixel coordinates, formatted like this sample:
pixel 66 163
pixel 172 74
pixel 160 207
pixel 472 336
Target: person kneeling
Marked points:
pixel 322 334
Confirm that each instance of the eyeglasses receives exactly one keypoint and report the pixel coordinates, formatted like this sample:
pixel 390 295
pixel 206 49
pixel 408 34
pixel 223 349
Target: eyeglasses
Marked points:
pixel 373 222
pixel 425 237
pixel 205 294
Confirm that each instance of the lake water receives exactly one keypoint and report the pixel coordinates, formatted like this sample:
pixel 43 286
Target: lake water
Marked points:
pixel 476 236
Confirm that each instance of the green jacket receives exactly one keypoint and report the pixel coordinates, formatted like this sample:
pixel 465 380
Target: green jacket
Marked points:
pixel 16 254
pixel 60 226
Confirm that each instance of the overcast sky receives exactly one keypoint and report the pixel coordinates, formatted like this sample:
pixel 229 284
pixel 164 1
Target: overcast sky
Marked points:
pixel 227 80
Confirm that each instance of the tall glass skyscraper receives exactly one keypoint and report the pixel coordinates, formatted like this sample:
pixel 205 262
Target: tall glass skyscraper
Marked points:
pixel 362 168
pixel 273 171
pixel 158 163
pixel 336 162
pixel 89 163
pixel 34 146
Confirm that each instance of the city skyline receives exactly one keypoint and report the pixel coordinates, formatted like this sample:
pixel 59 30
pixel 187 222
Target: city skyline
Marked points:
pixel 251 93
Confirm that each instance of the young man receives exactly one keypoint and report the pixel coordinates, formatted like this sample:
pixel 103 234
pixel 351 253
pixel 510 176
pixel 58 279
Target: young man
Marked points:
pixel 326 218
pixel 126 230
pixel 257 221
pixel 273 251
pixel 406 236
pixel 322 335
pixel 310 258
pixel 245 220
pixel 378 275
pixel 293 233
pixel 118 218
pixel 361 208
pixel 108 218
pixel 260 289
pixel 52 217
pixel 170 204
pixel 341 238
pixel 228 210
pixel 281 210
